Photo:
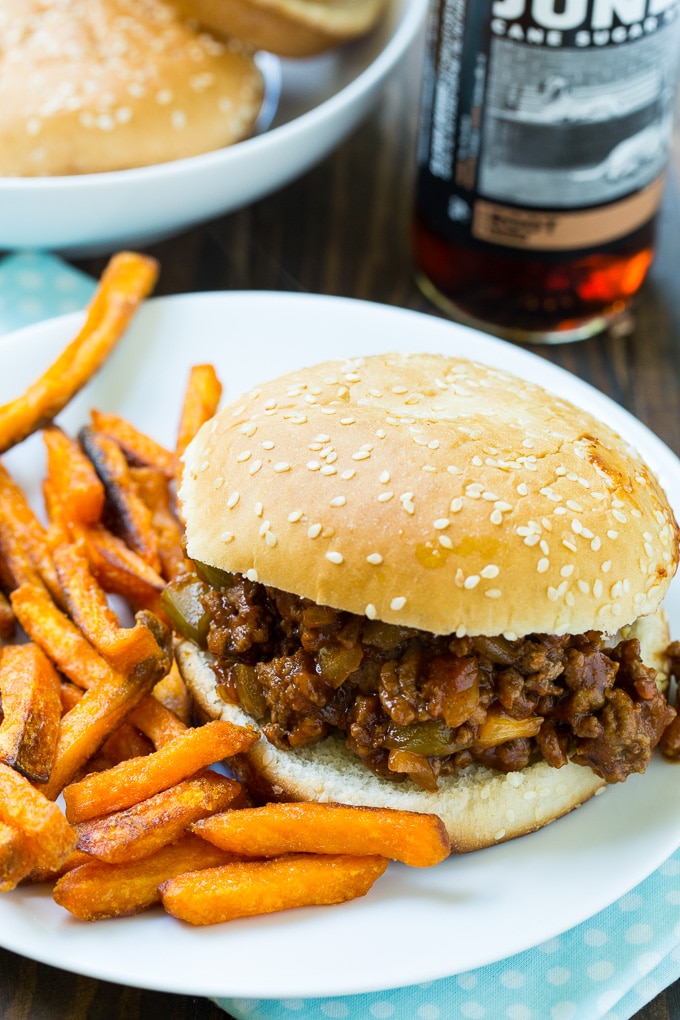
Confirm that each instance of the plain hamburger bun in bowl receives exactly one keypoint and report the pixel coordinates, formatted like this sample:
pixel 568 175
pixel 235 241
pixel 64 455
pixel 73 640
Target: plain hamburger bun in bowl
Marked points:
pixel 89 86
pixel 288 28
pixel 430 585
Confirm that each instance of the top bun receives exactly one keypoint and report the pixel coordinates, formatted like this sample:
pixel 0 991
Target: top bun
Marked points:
pixel 289 28
pixel 431 492
pixel 88 86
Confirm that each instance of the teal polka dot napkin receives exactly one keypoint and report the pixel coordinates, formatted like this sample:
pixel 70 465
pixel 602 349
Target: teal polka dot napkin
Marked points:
pixel 39 286
pixel 605 969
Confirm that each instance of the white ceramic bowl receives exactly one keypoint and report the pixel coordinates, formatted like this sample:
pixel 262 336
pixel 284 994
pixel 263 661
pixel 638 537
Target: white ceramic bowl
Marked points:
pixel 321 100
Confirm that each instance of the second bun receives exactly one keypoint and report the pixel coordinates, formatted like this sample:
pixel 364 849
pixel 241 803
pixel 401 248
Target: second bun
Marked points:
pixel 289 28
pixel 88 86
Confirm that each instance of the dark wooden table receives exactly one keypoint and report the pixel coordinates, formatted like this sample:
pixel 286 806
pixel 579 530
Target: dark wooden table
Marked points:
pixel 343 229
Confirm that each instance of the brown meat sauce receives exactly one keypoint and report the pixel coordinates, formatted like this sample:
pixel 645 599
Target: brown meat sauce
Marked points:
pixel 415 704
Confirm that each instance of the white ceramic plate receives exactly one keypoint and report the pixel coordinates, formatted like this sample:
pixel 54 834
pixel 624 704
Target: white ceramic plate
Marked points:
pixel 321 100
pixel 467 912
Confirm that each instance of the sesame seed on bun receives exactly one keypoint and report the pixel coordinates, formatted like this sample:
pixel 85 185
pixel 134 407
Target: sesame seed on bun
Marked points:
pixel 431 492
pixel 88 86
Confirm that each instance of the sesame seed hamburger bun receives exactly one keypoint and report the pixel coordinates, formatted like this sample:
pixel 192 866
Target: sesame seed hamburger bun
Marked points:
pixel 289 28
pixel 456 509
pixel 88 86
pixel 431 492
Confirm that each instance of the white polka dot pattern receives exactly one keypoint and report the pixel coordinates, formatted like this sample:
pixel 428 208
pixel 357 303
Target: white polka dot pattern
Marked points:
pixel 605 969
pixel 38 286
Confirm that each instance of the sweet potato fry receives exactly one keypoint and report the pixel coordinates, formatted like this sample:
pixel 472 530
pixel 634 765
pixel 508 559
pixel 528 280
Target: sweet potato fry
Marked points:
pixel 57 531
pixel 59 637
pixel 31 704
pixel 97 890
pixel 16 860
pixel 90 610
pixel 16 561
pixel 74 860
pixel 8 620
pixel 119 570
pixel 7 582
pixel 124 743
pixel 139 449
pixel 245 889
pixel 132 781
pixel 172 692
pixel 129 515
pixel 101 710
pixel 419 840
pixel 75 657
pixel 143 829
pixel 74 492
pixel 49 838
pixel 126 281
pixel 154 490
pixel 23 540
pixel 157 722
pixel 201 400
pixel 69 694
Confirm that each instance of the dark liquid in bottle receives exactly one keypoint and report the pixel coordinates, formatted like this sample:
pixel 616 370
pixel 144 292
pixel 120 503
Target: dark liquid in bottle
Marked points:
pixel 525 296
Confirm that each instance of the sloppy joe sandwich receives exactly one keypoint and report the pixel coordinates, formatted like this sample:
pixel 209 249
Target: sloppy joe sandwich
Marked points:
pixel 429 585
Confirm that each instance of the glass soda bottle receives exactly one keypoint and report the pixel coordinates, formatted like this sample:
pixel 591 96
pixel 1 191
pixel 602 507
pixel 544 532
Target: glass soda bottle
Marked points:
pixel 545 133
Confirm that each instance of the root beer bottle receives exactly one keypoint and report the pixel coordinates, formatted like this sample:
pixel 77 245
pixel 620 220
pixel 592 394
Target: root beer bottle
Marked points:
pixel 544 136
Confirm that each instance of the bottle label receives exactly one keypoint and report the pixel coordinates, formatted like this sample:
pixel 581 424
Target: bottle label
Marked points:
pixel 546 124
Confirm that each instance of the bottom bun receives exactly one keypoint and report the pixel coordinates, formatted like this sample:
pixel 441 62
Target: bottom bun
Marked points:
pixel 478 805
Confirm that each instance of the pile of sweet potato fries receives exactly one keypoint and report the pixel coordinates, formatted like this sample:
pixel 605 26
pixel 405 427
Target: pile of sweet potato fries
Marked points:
pixel 95 715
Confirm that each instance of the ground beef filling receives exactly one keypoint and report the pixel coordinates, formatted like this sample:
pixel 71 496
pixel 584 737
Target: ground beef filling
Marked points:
pixel 415 704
